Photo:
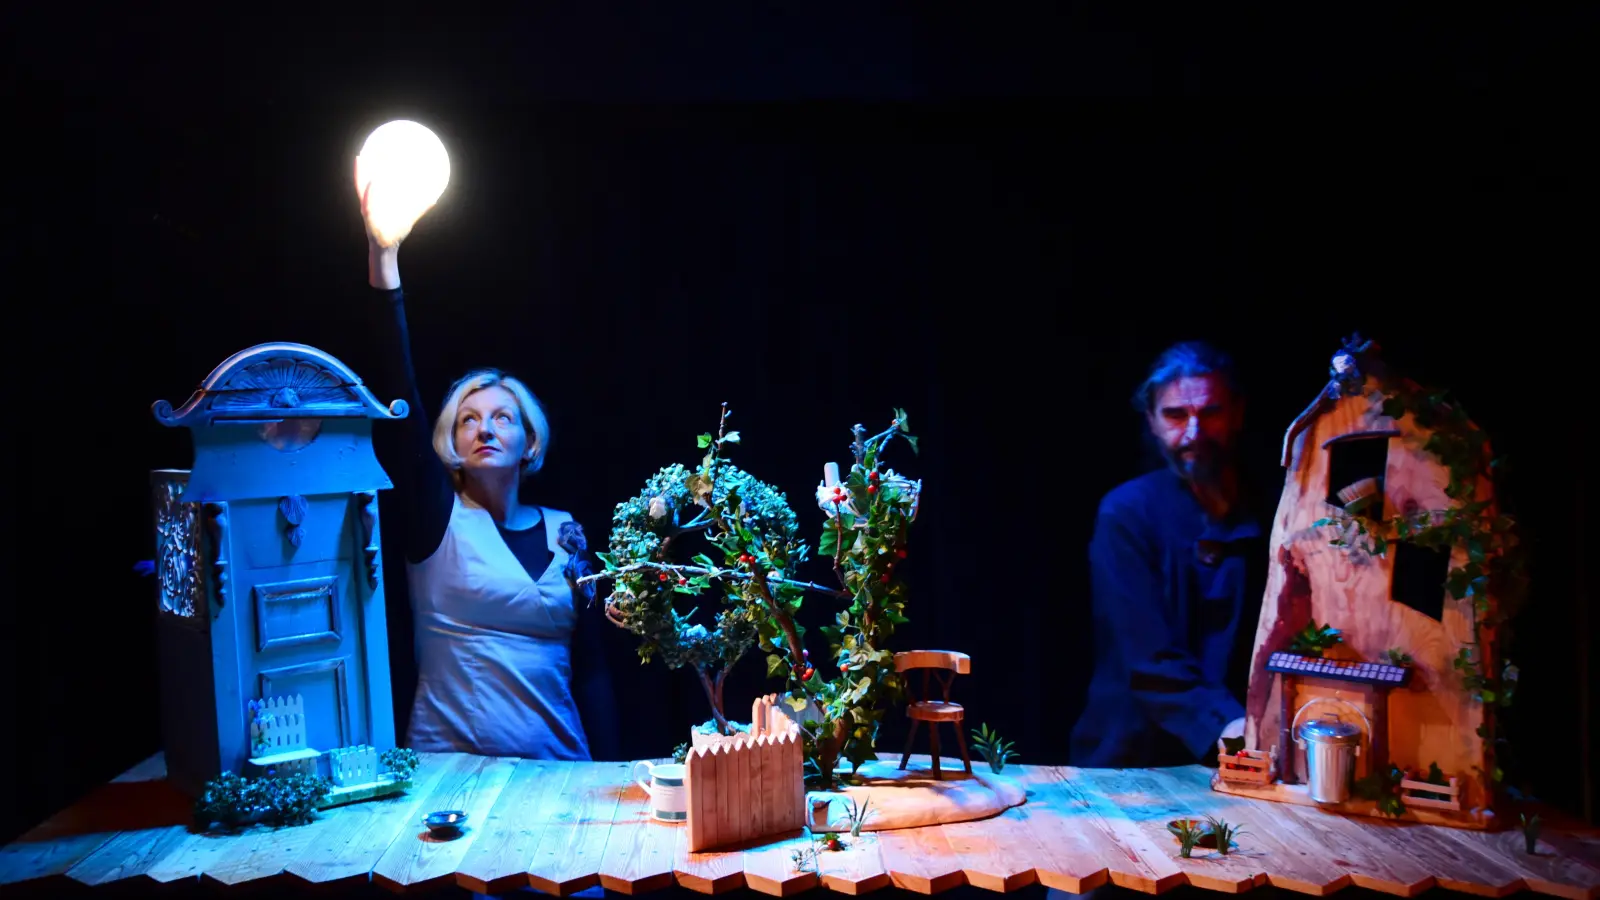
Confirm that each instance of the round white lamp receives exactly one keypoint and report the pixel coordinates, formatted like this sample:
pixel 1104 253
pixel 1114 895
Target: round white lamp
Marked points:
pixel 406 168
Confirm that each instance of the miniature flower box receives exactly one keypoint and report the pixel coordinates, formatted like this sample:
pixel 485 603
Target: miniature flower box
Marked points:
pixel 1250 766
pixel 1410 791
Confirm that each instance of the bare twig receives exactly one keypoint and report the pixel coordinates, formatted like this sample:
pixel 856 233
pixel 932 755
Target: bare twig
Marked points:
pixel 701 570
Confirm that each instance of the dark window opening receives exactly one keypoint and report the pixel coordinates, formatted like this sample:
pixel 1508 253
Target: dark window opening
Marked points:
pixel 1419 577
pixel 1352 462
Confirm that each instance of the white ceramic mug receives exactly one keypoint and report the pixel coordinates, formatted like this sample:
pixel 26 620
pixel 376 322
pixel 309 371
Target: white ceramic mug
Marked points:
pixel 669 798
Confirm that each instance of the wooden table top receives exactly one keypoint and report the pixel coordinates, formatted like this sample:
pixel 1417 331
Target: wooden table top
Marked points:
pixel 563 827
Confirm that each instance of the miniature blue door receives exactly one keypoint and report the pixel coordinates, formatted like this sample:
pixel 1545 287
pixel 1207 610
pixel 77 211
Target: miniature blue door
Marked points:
pixel 272 582
pixel 303 600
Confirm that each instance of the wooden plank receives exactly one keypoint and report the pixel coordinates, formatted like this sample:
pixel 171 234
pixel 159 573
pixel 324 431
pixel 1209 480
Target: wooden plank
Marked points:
pixel 1071 858
pixel 1146 804
pixel 564 826
pixel 1271 838
pixel 130 854
pixel 137 800
pixel 920 859
pixel 497 861
pixel 770 868
pixel 858 868
pixel 568 858
pixel 1358 846
pixel 998 853
pixel 638 855
pixel 416 860
pixel 1141 863
pixel 262 852
pixel 368 829
pixel 1544 871
pixel 1455 867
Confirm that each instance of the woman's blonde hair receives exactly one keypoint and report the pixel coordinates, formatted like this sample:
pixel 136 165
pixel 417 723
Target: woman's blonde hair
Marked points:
pixel 533 418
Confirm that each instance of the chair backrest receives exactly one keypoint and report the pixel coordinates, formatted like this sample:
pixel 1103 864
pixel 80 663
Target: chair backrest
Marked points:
pixel 950 660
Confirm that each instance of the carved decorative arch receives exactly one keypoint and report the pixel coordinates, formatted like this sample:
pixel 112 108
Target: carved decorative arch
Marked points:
pixel 278 381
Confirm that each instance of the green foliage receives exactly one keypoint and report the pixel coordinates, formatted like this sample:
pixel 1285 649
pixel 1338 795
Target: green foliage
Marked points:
pixel 1383 786
pixel 865 539
pixel 1314 640
pixel 1224 833
pixel 857 814
pixel 680 753
pixel 1189 832
pixel 1530 832
pixel 401 761
pixel 1491 570
pixel 996 751
pixel 232 800
pixel 1398 657
pixel 1434 776
pixel 754 551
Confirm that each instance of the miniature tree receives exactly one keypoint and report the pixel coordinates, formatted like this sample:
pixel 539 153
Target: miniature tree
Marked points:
pixel 747 523
pixel 752 526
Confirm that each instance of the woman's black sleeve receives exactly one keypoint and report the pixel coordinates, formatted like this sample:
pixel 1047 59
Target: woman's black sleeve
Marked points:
pixel 421 480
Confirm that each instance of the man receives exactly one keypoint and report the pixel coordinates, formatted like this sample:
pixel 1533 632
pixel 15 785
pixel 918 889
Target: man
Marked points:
pixel 1178 565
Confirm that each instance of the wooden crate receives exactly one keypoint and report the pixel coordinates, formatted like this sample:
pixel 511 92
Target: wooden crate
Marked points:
pixel 1249 766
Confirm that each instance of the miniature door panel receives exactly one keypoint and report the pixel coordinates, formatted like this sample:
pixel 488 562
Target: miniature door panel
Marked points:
pixel 303 606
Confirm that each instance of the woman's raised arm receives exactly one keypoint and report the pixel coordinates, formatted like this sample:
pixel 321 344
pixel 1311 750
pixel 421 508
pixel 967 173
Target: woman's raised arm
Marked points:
pixel 420 477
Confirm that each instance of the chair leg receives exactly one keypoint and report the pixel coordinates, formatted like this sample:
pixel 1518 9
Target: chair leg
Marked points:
pixel 933 738
pixel 910 737
pixel 961 739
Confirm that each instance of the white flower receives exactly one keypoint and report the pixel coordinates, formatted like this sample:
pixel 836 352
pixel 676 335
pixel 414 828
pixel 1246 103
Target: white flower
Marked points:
pixel 694 634
pixel 834 500
pixel 906 487
pixel 658 507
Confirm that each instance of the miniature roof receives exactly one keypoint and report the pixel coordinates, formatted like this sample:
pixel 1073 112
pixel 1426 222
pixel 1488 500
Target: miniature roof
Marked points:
pixel 278 381
pixel 1381 674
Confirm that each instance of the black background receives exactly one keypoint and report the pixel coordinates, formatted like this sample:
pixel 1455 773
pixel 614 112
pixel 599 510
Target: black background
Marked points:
pixel 992 220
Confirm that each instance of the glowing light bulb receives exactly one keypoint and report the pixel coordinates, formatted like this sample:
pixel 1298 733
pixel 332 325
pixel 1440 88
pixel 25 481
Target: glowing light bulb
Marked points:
pixel 402 169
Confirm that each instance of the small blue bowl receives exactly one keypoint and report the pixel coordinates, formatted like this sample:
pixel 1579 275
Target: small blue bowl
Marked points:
pixel 445 823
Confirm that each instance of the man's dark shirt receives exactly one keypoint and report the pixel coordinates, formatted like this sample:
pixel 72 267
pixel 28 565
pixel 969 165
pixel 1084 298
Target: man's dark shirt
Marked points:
pixel 1176 596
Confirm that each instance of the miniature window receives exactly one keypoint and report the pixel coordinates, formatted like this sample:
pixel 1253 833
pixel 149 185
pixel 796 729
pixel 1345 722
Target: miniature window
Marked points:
pixel 289 435
pixel 1355 474
pixel 1419 577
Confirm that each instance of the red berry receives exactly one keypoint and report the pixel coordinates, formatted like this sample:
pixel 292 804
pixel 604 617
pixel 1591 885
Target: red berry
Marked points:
pixel 900 553
pixel 872 489
pixel 806 675
pixel 663 576
pixel 886 578
pixel 873 476
pixel 682 580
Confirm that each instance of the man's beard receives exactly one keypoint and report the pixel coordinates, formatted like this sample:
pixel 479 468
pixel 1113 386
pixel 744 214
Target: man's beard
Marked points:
pixel 1202 462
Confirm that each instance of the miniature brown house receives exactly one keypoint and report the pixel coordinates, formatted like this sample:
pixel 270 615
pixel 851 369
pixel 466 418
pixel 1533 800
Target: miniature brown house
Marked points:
pixel 1418 714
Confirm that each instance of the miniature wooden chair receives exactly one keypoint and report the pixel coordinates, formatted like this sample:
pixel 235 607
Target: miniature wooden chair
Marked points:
pixel 948 664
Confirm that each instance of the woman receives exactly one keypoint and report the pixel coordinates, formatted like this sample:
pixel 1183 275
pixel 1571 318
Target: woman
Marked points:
pixel 492 593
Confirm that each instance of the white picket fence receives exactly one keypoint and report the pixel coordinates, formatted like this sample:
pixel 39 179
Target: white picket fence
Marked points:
pixel 283 729
pixel 353 765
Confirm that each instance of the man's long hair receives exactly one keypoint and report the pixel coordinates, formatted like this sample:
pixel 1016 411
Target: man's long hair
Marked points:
pixel 1188 359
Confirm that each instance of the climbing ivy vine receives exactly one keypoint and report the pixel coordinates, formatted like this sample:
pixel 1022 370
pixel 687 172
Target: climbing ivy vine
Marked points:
pixel 1493 564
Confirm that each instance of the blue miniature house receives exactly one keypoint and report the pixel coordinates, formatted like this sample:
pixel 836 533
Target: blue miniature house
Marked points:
pixel 267 552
